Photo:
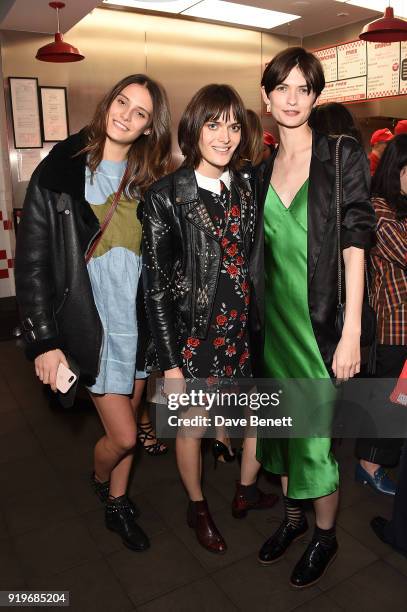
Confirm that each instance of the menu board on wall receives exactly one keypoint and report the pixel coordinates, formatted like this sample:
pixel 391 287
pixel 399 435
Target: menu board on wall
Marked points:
pixel 403 68
pixel 348 90
pixel 329 60
pixel 383 60
pixel 361 71
pixel 352 60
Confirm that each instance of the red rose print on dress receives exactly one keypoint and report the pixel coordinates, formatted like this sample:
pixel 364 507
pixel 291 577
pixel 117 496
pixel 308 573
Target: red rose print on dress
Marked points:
pixel 231 350
pixel 228 370
pixel 235 211
pixel 232 270
pixel 224 242
pixel 221 319
pixel 234 228
pixel 219 341
pixel 193 342
pixel 187 354
pixel 233 313
pixel 244 357
pixel 232 250
pixel 239 260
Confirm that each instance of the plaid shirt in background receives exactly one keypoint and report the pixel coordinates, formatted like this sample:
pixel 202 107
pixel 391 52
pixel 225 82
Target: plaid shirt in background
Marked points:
pixel 389 269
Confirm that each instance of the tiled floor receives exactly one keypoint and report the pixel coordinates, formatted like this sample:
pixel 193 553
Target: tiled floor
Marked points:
pixel 52 534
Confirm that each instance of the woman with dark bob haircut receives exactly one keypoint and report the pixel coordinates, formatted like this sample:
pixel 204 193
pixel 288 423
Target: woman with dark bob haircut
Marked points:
pixel 198 231
pixel 296 249
pixel 77 286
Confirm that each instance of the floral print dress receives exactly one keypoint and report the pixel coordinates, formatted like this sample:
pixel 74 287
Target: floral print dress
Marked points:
pixel 224 353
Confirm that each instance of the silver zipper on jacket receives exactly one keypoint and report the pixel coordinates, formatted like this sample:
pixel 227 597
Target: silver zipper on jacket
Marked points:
pixel 62 302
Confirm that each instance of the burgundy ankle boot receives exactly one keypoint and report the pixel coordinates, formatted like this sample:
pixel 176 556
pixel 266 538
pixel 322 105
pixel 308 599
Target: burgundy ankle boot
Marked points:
pixel 199 518
pixel 241 504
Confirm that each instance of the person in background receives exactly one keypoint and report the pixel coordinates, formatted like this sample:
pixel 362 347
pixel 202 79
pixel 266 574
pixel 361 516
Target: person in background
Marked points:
pixel 334 119
pixel 326 118
pixel 389 300
pixel 198 232
pixel 254 153
pixel 400 127
pixel 378 142
pixel 295 252
pixel 394 532
pixel 146 433
pixel 77 287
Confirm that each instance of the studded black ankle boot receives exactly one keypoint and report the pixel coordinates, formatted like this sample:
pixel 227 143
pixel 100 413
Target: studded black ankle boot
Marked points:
pixel 120 516
pixel 101 489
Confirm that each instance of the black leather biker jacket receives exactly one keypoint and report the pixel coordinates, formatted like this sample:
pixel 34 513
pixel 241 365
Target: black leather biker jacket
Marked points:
pixel 182 259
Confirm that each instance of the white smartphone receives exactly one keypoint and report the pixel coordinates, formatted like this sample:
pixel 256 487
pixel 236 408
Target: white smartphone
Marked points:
pixel 65 378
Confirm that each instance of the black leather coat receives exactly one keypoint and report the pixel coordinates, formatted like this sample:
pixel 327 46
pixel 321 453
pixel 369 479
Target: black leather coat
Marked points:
pixel 358 223
pixel 182 259
pixel 52 283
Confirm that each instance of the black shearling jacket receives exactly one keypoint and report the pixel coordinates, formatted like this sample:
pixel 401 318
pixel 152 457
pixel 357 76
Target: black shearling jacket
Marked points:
pixel 52 283
pixel 357 229
pixel 182 259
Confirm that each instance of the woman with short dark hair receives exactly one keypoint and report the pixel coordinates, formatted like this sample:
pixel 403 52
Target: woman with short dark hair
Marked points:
pixel 297 250
pixel 77 274
pixel 198 231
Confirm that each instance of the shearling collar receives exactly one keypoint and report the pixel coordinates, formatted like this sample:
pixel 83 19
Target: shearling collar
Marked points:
pixel 61 171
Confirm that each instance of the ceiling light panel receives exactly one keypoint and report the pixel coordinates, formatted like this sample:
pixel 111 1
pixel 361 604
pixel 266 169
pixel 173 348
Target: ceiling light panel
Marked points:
pixel 399 6
pixel 231 12
pixel 165 6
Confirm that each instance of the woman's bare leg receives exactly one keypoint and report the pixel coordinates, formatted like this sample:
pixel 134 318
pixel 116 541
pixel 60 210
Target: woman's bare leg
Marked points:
pixel 189 457
pixel 250 466
pixel 113 452
pixel 189 461
pixel 326 509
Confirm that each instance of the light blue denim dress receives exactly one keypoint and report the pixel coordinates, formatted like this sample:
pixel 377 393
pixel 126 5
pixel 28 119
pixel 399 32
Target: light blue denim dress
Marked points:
pixel 114 272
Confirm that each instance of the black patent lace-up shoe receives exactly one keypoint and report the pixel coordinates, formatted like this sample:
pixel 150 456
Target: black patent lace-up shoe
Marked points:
pixel 120 516
pixel 275 547
pixel 313 563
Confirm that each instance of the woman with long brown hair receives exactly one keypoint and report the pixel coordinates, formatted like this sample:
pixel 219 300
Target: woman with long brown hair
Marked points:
pixel 78 266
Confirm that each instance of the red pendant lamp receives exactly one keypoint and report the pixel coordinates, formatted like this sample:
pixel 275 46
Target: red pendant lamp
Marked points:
pixel 58 51
pixel 387 29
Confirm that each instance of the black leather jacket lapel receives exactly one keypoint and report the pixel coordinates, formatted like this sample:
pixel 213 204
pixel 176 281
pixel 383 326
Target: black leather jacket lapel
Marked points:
pixel 320 193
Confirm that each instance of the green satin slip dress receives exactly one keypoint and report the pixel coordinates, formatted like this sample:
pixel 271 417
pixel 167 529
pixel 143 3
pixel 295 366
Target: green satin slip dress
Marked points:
pixel 291 350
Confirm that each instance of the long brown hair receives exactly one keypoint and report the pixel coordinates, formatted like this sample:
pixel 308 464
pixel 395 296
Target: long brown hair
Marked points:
pixel 255 146
pixel 149 156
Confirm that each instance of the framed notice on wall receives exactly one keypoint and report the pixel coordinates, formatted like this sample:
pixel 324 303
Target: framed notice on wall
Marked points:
pixel 25 112
pixel 54 111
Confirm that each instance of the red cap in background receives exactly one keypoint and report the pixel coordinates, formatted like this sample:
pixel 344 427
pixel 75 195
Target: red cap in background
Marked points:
pixel 401 127
pixel 268 138
pixel 381 136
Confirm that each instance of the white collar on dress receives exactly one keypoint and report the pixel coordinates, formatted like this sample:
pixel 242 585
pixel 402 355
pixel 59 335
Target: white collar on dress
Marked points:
pixel 212 184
